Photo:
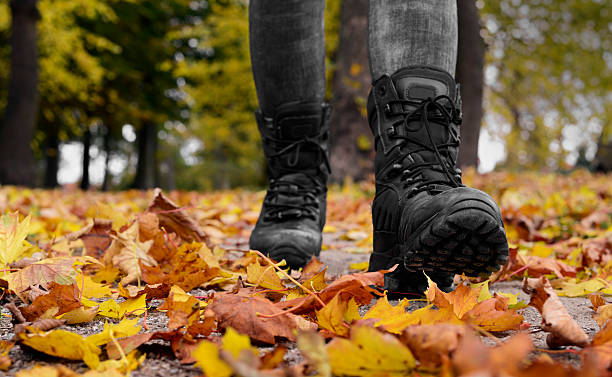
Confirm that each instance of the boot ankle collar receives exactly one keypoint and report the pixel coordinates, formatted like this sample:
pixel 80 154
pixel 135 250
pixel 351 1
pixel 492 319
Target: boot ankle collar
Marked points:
pixel 412 85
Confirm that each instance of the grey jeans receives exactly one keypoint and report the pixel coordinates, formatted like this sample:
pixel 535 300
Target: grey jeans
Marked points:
pixel 288 47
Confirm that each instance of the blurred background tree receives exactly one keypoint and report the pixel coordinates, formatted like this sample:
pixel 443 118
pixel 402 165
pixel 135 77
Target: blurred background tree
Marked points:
pixel 141 93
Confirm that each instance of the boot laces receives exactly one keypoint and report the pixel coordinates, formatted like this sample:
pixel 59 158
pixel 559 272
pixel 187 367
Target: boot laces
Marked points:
pixel 297 146
pixel 287 199
pixel 412 173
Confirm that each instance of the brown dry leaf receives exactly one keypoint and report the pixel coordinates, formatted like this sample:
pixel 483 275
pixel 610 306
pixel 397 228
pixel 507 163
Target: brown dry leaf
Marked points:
pixel 181 312
pixel 597 251
pixel 240 312
pixel 564 331
pixel 97 238
pixel 61 270
pixel 597 300
pixel 432 345
pixel 132 253
pixel 60 299
pixel 536 266
pixel 130 343
pixel 39 325
pixel 473 358
pixel 314 266
pixel 174 219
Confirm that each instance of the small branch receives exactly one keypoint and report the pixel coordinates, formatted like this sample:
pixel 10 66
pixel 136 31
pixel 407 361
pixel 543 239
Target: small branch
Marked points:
pixel 289 277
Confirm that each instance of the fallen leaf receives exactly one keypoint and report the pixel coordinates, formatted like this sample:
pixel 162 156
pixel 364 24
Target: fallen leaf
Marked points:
pixel 556 320
pixel 241 313
pixel 97 238
pixel 133 252
pixel 80 315
pixel 13 235
pixel 55 343
pixel 338 314
pixel 263 276
pixel 174 219
pixel 60 270
pixel 127 327
pixel 369 352
pixel 39 325
pixel 312 346
pixel 433 344
pixel 60 299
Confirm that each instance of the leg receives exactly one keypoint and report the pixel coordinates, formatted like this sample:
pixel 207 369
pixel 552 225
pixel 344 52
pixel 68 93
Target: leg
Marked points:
pixel 424 218
pixel 288 59
pixel 403 33
pixel 287 51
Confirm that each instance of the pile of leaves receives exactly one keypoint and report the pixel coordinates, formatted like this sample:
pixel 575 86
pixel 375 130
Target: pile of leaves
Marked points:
pixel 173 271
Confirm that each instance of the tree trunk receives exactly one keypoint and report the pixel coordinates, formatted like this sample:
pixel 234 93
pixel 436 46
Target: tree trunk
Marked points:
pixel 147 162
pixel 107 151
pixel 51 156
pixel 351 139
pixel 86 158
pixel 16 157
pixel 470 74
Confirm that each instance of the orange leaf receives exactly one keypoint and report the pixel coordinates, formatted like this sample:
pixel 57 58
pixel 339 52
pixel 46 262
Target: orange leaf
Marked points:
pixel 240 313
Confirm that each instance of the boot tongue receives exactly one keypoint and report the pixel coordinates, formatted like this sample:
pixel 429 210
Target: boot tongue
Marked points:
pixel 417 85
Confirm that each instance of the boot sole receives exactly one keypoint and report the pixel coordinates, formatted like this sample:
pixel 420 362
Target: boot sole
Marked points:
pixel 465 239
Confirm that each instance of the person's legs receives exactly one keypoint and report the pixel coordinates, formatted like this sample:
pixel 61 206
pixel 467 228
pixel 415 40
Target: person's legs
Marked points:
pixel 287 51
pixel 403 33
pixel 288 59
pixel 424 218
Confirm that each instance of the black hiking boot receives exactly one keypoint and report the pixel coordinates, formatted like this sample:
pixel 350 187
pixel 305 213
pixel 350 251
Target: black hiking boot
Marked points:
pixel 295 144
pixel 425 219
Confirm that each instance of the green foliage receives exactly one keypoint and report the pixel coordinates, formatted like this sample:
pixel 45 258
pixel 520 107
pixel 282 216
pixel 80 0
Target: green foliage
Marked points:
pixel 223 98
pixel 551 70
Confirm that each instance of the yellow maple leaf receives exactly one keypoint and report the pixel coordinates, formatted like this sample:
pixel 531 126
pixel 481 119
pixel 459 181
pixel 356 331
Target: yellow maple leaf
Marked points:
pixel 92 289
pixel 80 315
pixel 207 359
pixel 127 327
pixel 12 238
pixel 62 371
pixel 62 343
pixel 265 277
pixel 236 343
pixel 369 352
pixel 337 313
pixel 132 306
